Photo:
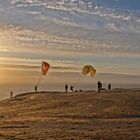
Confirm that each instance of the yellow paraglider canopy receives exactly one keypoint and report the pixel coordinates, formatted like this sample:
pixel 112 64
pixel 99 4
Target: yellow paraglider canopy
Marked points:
pixel 88 69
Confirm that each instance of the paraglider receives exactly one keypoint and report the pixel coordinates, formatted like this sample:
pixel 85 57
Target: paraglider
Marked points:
pixel 44 67
pixel 88 69
pixel 44 70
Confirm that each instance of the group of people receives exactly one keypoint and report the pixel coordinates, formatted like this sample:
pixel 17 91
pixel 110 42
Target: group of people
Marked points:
pixel 71 88
pixel 99 84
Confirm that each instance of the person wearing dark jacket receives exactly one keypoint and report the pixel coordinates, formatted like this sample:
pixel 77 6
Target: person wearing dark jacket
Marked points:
pixel 109 86
pixel 66 88
pixel 99 84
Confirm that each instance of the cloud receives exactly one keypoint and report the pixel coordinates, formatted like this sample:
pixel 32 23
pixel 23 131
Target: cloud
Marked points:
pixel 69 14
pixel 68 36
pixel 26 64
pixel 127 18
pixel 112 27
pixel 16 38
pixel 35 13
pixel 26 48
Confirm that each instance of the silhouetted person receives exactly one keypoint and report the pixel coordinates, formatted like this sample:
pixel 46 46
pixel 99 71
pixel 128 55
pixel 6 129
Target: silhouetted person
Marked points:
pixel 99 84
pixel 71 88
pixel 35 88
pixel 66 88
pixel 11 94
pixel 109 86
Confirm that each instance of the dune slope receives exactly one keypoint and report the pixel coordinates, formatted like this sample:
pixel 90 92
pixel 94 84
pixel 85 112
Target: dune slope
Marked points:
pixel 109 115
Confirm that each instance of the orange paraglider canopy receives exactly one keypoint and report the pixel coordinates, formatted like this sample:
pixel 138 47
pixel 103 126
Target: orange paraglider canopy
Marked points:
pixel 44 67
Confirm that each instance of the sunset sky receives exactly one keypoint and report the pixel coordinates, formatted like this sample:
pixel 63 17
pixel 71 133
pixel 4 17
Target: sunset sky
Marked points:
pixel 69 34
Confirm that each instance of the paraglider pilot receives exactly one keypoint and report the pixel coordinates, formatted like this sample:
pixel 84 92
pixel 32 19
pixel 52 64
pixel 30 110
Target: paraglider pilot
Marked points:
pixel 99 84
pixel 109 86
pixel 66 88
pixel 11 94
pixel 71 88
pixel 35 88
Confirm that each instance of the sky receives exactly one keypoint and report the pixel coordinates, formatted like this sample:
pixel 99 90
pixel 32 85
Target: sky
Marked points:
pixel 69 34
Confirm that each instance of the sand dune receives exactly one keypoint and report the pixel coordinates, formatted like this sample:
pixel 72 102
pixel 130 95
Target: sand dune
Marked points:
pixel 110 115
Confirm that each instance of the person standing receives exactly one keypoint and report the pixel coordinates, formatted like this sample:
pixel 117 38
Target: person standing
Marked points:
pixel 11 94
pixel 35 88
pixel 109 86
pixel 71 88
pixel 99 84
pixel 66 88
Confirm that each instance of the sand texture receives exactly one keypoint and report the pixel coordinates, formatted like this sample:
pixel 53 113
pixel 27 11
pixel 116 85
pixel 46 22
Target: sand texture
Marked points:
pixel 110 115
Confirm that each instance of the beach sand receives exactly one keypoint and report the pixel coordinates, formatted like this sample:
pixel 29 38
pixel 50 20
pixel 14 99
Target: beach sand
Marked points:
pixel 109 115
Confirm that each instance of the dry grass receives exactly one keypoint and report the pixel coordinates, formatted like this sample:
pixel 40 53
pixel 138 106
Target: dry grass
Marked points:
pixel 110 115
